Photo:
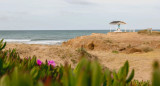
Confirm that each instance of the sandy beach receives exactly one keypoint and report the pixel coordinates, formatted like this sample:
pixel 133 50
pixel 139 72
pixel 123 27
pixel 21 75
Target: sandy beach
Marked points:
pixel 102 47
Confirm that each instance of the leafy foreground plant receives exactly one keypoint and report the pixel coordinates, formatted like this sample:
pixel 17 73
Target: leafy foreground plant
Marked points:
pixel 32 72
pixel 156 75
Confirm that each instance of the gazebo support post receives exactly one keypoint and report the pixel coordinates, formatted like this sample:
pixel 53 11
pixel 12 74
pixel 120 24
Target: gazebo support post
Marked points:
pixel 110 29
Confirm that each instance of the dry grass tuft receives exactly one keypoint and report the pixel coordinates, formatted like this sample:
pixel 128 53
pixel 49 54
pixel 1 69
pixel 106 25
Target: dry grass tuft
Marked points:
pixel 85 54
pixel 134 50
pixel 147 49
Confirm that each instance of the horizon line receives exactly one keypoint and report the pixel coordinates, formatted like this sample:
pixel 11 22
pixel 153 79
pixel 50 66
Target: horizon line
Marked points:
pixel 71 29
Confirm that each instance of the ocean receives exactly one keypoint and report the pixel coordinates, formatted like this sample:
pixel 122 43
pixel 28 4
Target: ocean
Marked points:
pixel 47 37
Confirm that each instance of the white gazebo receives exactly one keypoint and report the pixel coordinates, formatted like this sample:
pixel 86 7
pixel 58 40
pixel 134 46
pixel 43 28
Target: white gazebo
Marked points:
pixel 119 23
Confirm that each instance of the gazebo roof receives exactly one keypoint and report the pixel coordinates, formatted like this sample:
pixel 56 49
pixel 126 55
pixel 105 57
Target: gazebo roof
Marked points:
pixel 117 22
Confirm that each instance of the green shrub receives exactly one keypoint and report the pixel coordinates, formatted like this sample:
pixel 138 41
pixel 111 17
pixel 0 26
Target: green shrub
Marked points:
pixel 116 52
pixel 142 83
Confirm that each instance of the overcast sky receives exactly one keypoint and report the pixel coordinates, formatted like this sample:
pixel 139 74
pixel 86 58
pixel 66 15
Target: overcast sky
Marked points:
pixel 77 14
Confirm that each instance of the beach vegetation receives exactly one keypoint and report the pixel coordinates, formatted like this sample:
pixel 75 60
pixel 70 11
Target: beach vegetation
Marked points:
pixel 143 31
pixel 129 46
pixel 63 56
pixel 83 52
pixel 147 43
pixel 30 71
pixel 142 83
pixel 108 41
pixel 2 45
pixel 73 61
pixel 147 49
pixel 134 50
pixel 115 51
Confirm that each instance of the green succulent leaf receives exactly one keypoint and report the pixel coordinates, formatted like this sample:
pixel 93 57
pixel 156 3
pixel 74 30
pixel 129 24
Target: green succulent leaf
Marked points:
pixel 130 77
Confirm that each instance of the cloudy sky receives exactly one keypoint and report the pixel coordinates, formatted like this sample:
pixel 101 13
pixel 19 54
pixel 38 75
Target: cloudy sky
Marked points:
pixel 77 14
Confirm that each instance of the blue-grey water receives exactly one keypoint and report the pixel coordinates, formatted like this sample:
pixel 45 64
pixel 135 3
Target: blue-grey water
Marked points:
pixel 49 37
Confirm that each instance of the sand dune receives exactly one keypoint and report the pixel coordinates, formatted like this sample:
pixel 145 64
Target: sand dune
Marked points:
pixel 114 41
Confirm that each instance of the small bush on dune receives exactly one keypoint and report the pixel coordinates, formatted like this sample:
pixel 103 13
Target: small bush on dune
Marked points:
pixel 129 46
pixel 147 49
pixel 144 49
pixel 108 41
pixel 134 50
pixel 143 32
pixel 114 51
pixel 83 52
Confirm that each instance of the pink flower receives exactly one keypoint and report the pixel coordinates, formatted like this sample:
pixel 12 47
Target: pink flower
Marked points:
pixel 51 62
pixel 26 58
pixel 39 62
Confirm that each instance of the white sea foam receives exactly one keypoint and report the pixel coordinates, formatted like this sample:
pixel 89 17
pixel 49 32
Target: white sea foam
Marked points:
pixel 29 41
pixel 48 42
pixel 17 40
